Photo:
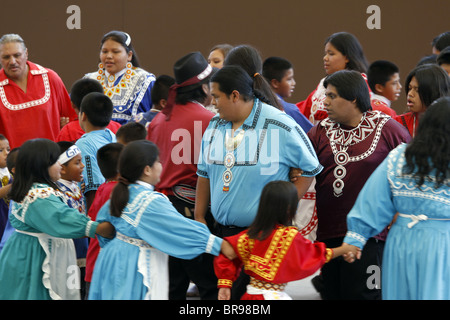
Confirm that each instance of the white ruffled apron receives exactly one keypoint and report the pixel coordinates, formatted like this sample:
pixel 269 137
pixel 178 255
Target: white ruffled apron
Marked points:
pixel 61 273
pixel 153 265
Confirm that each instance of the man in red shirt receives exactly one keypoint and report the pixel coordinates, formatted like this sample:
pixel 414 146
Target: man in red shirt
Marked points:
pixel 34 102
pixel 177 131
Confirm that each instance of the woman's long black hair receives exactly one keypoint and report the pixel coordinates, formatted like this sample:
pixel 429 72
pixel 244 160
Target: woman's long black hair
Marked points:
pixel 277 206
pixel 33 161
pixel 430 148
pixel 132 160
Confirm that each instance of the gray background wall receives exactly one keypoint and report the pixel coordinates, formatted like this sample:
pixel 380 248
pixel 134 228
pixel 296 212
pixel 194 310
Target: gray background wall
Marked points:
pixel 163 31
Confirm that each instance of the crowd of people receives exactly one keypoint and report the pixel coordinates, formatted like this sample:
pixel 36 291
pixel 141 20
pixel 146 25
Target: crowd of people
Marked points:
pixel 133 186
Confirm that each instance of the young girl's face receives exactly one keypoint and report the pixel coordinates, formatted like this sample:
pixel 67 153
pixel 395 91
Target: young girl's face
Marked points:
pixel 4 151
pixel 333 60
pixel 54 171
pixel 73 170
pixel 414 102
pixel 155 173
pixel 216 58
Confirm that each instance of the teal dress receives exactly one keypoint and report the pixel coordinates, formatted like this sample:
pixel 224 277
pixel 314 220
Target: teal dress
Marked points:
pixel 417 252
pixel 38 261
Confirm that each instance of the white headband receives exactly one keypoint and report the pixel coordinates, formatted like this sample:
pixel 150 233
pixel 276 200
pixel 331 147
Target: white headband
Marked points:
pixel 69 154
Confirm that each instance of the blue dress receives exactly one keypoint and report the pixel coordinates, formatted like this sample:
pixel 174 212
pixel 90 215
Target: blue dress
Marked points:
pixel 417 252
pixel 133 265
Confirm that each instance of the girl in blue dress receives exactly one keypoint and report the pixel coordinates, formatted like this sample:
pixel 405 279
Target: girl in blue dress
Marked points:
pixel 133 265
pixel 413 181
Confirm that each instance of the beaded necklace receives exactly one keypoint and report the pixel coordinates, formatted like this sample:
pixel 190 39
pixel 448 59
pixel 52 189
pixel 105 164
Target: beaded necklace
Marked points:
pixel 107 82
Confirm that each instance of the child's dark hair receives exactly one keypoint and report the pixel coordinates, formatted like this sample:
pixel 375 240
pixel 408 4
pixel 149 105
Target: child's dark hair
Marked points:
pixel 277 206
pixel 81 88
pixel 160 89
pixel 275 68
pixel 380 72
pixel 442 41
pixel 98 109
pixel 33 161
pixel 11 159
pixel 2 137
pixel 131 131
pixel 443 57
pixel 108 159
pixel 132 161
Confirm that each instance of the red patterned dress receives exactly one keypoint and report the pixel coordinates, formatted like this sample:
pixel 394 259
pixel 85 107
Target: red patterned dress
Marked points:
pixel 282 257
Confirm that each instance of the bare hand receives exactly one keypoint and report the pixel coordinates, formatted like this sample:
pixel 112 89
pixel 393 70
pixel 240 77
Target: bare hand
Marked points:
pixel 295 173
pixel 224 294
pixel 63 121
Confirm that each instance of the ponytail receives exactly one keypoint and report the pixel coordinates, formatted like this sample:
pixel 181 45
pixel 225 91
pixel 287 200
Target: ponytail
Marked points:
pixel 263 91
pixel 119 197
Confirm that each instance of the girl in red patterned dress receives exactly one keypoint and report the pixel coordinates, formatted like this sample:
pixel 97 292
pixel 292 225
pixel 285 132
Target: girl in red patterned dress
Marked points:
pixel 272 251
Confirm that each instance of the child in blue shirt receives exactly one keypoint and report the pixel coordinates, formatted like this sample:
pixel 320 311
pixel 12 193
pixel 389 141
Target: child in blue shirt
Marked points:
pixel 96 111
pixel 279 73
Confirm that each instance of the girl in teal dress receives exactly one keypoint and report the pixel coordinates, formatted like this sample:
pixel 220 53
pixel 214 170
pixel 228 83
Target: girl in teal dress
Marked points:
pixel 38 262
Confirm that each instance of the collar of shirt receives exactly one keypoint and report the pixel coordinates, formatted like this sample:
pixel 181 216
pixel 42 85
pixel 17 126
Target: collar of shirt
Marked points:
pixel 145 184
pixel 381 98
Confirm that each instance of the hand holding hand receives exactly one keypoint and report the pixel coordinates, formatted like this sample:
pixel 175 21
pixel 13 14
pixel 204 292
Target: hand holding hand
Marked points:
pixel 352 253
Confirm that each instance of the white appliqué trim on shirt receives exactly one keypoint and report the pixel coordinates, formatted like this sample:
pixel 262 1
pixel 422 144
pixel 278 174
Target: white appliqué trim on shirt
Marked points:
pixel 29 104
pixel 407 186
pixel 210 243
pixel 356 236
pixel 33 194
